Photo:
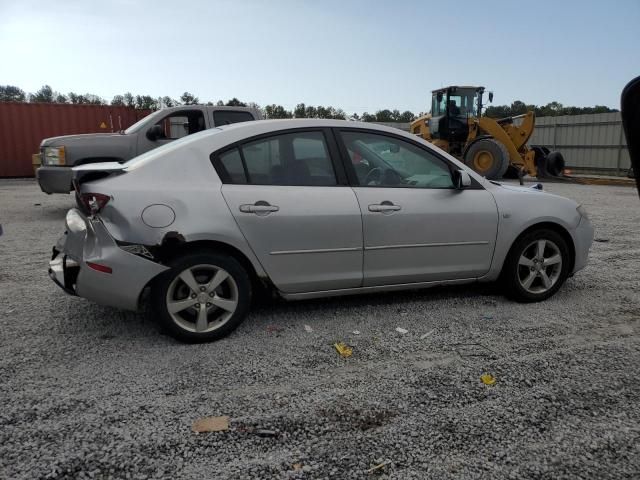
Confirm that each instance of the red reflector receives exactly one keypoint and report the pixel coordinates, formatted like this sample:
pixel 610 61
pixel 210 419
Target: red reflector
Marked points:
pixel 99 268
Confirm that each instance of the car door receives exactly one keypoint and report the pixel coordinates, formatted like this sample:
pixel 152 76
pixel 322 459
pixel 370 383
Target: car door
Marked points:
pixel 296 211
pixel 174 125
pixel 417 227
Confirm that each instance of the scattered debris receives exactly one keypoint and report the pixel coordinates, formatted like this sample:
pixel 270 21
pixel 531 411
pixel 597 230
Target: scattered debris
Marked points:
pixel 343 349
pixel 379 466
pixel 297 467
pixel 487 317
pixel 211 424
pixel 601 240
pixel 473 350
pixel 425 335
pixel 307 328
pixel 401 330
pixel 37 204
pixel 356 332
pixel 274 329
pixel 488 379
pixel 262 432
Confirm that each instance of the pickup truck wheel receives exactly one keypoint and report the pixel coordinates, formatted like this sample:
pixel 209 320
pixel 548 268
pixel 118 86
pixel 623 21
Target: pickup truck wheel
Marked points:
pixel 202 298
pixel 536 267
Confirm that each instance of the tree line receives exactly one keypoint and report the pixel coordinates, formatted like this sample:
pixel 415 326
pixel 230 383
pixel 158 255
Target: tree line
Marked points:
pixel 10 93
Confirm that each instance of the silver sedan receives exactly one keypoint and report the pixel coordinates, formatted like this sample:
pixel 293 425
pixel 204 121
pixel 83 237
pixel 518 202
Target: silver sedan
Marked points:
pixel 304 208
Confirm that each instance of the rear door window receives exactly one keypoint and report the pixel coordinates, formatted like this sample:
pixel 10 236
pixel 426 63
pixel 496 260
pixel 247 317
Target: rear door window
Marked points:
pixel 300 159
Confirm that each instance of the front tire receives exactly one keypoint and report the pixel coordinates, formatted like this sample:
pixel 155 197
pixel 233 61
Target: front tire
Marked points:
pixel 202 298
pixel 536 267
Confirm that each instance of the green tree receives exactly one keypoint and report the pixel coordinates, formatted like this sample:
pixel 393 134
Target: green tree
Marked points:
pixel 146 102
pixel 60 98
pixel 406 117
pixel 189 99
pixel 276 111
pixel 234 102
pixel 117 101
pixel 367 117
pixel 300 111
pixel 129 100
pixel 384 116
pixel 9 93
pixel 44 95
pixel 170 102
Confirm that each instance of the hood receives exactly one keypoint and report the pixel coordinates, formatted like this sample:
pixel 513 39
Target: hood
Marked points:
pixel 537 188
pixel 66 140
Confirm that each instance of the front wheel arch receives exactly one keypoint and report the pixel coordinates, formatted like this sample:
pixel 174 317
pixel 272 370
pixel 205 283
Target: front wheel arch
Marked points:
pixel 559 229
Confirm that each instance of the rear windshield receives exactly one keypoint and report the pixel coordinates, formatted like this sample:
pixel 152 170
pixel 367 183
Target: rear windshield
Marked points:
pixel 140 160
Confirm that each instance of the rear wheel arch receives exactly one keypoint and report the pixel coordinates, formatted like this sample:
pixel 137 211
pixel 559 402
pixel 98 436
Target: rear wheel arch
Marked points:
pixel 175 245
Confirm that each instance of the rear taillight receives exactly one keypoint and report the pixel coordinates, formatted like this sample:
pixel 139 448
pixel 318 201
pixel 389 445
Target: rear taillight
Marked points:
pixel 94 202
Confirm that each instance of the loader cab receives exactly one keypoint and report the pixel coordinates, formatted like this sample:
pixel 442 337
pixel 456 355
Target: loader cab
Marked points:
pixel 451 109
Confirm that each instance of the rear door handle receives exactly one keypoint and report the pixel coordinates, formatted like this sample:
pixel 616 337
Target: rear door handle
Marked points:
pixel 259 208
pixel 385 206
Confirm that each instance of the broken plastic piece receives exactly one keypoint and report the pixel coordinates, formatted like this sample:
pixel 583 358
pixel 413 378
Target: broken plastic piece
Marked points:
pixel 402 330
pixel 343 349
pixel 425 335
pixel 488 379
pixel 211 424
pixel 307 328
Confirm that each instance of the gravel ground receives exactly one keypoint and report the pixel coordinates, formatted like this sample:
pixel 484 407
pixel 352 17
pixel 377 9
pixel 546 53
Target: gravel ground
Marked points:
pixel 93 392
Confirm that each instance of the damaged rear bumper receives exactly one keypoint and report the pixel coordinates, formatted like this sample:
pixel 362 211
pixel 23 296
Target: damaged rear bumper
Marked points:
pixel 86 245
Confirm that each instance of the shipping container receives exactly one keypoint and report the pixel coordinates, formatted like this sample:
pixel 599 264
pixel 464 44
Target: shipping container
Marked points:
pixel 24 125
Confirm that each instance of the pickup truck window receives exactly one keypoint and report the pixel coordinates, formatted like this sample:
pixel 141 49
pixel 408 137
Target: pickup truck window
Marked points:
pixel 182 123
pixel 226 117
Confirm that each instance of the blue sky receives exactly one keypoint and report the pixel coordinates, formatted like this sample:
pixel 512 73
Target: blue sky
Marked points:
pixel 353 54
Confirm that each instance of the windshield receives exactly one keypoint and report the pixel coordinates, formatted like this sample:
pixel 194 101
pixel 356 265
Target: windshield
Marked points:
pixel 143 121
pixel 462 103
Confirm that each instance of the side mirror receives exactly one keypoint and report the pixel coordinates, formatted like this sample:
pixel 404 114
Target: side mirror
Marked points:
pixel 155 132
pixel 461 179
pixel 439 96
pixel 490 97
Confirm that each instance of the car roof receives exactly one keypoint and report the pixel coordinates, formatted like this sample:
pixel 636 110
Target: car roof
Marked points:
pixel 249 129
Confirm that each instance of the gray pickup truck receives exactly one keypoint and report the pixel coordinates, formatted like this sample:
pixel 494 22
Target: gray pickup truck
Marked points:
pixel 60 154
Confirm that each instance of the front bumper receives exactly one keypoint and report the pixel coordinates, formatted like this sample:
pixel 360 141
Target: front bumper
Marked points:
pixel 55 179
pixel 583 238
pixel 121 288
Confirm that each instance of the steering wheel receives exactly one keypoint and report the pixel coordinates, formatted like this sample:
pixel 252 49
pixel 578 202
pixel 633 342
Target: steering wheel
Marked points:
pixel 374 175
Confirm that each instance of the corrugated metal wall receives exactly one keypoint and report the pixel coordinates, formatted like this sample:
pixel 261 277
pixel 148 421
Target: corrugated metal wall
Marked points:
pixel 24 125
pixel 587 142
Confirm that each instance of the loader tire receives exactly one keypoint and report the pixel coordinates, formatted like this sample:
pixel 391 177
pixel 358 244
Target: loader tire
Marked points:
pixel 488 157
pixel 555 164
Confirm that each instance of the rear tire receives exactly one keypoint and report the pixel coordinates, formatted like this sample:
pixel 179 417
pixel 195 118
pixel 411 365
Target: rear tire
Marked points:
pixel 488 157
pixel 203 297
pixel 555 164
pixel 536 267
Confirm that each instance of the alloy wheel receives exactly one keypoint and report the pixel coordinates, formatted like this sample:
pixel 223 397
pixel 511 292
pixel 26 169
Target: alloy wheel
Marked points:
pixel 202 298
pixel 539 266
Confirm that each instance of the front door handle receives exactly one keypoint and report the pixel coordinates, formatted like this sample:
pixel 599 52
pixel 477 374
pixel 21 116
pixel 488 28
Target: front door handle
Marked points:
pixel 385 206
pixel 259 208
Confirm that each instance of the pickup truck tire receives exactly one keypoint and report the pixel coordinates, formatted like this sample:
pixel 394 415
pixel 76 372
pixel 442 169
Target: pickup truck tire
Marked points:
pixel 203 297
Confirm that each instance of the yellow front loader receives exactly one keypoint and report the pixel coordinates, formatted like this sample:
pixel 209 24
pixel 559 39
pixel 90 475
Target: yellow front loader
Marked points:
pixel 493 148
